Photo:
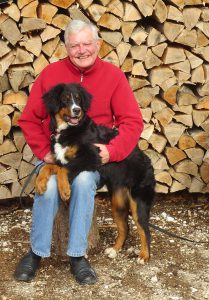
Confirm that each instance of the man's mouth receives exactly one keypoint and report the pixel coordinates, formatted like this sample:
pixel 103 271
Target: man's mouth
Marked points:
pixel 83 57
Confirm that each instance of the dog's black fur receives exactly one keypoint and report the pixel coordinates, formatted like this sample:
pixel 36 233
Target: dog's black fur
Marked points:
pixel 130 182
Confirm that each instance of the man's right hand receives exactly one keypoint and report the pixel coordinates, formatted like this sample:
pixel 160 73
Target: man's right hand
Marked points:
pixel 48 158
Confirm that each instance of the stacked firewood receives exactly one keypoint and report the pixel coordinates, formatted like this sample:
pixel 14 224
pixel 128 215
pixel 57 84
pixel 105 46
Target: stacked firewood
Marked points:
pixel 162 47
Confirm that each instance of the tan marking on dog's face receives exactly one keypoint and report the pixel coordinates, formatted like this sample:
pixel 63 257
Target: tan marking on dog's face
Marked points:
pixel 59 119
pixel 71 152
pixel 64 117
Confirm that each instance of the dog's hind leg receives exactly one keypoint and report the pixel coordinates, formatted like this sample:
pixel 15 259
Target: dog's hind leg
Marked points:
pixel 43 177
pixel 62 180
pixel 120 211
pixel 140 215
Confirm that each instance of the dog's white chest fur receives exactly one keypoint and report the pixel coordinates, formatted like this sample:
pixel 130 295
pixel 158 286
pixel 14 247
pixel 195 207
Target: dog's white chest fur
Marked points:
pixel 59 152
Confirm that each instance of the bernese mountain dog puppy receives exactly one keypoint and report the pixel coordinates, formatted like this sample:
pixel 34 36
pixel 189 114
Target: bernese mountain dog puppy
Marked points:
pixel 130 182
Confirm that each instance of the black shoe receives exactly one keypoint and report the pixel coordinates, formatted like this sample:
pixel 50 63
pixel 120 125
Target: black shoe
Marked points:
pixel 26 269
pixel 81 269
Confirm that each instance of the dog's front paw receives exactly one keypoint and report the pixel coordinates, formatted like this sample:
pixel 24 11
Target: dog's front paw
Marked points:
pixel 111 252
pixel 41 185
pixel 65 194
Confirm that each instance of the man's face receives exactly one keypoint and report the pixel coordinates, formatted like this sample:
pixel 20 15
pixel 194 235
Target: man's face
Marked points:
pixel 82 49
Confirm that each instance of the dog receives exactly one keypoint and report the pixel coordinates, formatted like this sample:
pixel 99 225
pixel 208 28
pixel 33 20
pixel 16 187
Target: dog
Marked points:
pixel 130 182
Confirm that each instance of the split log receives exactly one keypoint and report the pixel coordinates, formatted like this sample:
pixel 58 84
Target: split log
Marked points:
pixel 39 64
pixel 151 60
pixel 13 12
pixel 46 12
pixel 139 35
pixel 131 13
pixel 127 30
pixel 139 52
pixel 25 169
pixel 177 186
pixel 185 142
pixel 62 3
pixel 6 61
pixel 32 44
pixel 158 142
pixel 182 178
pixel 174 155
pixel 195 154
pixel 5 192
pixel 8 176
pixel 11 159
pixel 160 11
pixel 145 7
pixel 50 46
pixel 197 185
pixel 122 51
pixel 170 94
pixel 4 49
pixel 164 116
pixel 174 14
pixel 184 119
pixel 109 21
pixel 49 33
pixel 191 17
pixel 19 98
pixel 29 10
pixel 60 21
pixel 159 49
pixel 116 7
pixel 164 177
pixel 199 117
pixel 10 31
pixel 96 11
pixel 172 30
pixel 173 132
pixel 186 166
pixel 32 24
pixel 139 69
pixel 112 38
pixel 173 55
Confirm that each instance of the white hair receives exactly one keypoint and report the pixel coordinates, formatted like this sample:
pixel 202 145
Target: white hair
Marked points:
pixel 77 25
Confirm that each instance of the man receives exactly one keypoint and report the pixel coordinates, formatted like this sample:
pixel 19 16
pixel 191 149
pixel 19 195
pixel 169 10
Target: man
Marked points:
pixel 113 104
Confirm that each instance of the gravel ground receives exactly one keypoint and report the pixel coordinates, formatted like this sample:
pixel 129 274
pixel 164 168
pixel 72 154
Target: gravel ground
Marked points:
pixel 178 270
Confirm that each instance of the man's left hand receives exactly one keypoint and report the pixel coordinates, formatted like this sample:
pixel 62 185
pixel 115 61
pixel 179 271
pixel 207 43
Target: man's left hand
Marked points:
pixel 104 154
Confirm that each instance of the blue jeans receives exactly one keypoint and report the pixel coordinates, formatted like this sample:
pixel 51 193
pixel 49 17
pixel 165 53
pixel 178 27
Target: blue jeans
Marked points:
pixel 81 208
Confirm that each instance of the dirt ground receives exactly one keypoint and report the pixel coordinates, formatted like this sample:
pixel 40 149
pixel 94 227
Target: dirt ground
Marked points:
pixel 178 270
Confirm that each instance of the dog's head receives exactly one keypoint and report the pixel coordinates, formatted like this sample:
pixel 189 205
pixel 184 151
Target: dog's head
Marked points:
pixel 67 105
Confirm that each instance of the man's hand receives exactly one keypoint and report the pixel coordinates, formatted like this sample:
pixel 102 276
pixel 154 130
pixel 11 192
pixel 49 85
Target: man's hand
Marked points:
pixel 104 154
pixel 48 158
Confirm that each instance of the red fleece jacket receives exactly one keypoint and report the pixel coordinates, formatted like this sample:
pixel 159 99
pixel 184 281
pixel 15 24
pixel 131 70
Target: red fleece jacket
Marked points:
pixel 113 103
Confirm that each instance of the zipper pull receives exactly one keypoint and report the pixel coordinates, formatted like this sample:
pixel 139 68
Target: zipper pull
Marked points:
pixel 81 77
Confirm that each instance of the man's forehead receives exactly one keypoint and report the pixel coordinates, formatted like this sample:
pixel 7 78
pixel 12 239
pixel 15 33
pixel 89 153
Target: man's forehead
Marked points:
pixel 83 34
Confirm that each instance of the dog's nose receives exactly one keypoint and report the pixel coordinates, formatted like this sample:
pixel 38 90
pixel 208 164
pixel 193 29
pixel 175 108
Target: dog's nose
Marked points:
pixel 76 110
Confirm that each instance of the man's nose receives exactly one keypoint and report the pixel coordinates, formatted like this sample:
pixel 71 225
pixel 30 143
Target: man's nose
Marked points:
pixel 81 47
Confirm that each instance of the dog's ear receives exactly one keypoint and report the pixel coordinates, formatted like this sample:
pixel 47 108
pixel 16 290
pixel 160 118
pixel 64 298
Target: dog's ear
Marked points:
pixel 85 98
pixel 52 97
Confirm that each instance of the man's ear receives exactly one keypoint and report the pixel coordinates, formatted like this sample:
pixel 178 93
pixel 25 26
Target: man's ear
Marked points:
pixel 51 98
pixel 99 44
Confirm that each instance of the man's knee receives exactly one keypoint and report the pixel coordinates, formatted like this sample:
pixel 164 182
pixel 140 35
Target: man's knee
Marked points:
pixel 86 179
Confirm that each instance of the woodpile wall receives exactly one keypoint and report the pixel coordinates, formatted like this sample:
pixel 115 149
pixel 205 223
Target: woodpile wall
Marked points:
pixel 163 48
